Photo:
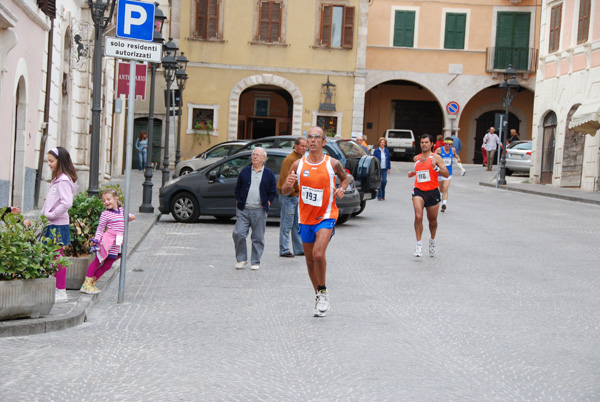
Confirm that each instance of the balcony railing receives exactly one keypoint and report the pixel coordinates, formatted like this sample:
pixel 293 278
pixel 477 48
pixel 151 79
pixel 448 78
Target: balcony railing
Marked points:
pixel 523 59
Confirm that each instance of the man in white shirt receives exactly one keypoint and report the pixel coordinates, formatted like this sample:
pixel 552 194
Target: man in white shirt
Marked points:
pixel 490 143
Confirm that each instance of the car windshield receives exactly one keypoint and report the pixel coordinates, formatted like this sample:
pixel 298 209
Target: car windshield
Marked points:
pixel 399 135
pixel 524 146
pixel 351 149
pixel 218 152
pixel 262 144
pixel 233 167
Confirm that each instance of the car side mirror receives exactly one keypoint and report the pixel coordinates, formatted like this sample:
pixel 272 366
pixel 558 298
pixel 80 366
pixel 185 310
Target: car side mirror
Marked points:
pixel 212 176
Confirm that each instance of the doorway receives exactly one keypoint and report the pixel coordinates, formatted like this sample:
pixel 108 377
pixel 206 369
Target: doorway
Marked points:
pixel 484 122
pixel 261 127
pixel 572 160
pixel 18 167
pixel 548 143
pixel 140 125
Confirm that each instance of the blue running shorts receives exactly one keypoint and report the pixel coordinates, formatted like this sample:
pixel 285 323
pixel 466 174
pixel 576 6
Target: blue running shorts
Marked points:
pixel 308 233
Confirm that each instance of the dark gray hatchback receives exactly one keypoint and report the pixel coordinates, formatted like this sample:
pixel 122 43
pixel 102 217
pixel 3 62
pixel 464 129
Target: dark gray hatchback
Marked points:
pixel 210 191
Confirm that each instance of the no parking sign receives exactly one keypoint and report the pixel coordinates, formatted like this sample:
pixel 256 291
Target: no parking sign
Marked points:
pixel 452 107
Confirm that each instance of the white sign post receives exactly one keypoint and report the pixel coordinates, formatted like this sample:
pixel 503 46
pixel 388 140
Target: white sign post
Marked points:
pixel 136 21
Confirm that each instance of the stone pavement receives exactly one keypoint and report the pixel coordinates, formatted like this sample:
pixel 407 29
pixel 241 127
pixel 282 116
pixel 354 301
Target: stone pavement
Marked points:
pixel 75 311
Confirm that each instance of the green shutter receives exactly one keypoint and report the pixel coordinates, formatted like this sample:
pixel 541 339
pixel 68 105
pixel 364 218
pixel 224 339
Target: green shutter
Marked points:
pixel 404 28
pixel 512 40
pixel 455 31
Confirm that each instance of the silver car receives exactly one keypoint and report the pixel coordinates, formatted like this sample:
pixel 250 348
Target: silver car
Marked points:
pixel 208 157
pixel 518 157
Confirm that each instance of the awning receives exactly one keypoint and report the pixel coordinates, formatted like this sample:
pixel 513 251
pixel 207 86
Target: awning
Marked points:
pixel 586 118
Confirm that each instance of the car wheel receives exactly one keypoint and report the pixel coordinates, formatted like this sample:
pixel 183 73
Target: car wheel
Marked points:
pixel 223 218
pixel 363 204
pixel 185 170
pixel 184 208
pixel 343 219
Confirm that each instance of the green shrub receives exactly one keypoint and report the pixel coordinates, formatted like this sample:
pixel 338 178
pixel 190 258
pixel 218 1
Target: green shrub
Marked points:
pixel 24 253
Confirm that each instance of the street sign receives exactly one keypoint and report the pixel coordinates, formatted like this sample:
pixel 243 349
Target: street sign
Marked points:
pixel 135 20
pixel 132 49
pixel 140 80
pixel 452 107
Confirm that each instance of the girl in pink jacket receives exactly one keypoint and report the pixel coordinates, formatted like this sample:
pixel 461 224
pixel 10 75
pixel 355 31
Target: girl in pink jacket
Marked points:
pixel 56 208
pixel 108 240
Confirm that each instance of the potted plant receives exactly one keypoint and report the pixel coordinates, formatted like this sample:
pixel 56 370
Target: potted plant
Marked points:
pixel 84 215
pixel 202 127
pixel 27 263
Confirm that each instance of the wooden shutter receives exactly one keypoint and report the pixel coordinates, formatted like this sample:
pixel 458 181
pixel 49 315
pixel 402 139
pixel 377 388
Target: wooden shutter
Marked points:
pixel 512 40
pixel 555 20
pixel 348 30
pixel 201 18
pixel 455 31
pixel 48 7
pixel 404 28
pixel 583 25
pixel 270 21
pixel 326 19
pixel 213 19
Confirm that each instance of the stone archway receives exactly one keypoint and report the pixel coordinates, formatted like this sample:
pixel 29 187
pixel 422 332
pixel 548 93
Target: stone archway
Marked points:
pixel 265 79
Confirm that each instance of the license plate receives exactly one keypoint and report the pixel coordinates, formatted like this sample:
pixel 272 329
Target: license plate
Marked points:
pixel 399 149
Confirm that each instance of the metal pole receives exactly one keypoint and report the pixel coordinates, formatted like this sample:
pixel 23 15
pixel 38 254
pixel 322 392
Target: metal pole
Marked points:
pixel 507 102
pixel 96 104
pixel 178 153
pixel 147 192
pixel 128 161
pixel 501 128
pixel 165 173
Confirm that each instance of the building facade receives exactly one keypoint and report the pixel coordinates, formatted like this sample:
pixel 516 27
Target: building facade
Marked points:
pixel 568 85
pixel 421 56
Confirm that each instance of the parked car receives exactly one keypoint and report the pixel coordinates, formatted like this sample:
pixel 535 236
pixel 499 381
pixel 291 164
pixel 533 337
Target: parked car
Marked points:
pixel 208 157
pixel 362 166
pixel 401 143
pixel 211 191
pixel 518 157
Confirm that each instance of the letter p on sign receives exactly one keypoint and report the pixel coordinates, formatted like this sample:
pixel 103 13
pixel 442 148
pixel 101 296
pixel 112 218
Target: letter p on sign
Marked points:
pixel 135 20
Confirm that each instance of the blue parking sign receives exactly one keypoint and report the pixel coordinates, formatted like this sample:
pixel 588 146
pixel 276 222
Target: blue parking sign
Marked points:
pixel 135 20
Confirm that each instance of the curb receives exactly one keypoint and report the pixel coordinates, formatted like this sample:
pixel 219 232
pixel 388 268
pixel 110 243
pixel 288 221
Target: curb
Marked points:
pixel 540 193
pixel 79 312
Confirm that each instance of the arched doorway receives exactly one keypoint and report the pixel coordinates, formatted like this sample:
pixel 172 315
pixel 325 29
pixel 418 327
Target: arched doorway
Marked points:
pixel 548 143
pixel 484 122
pixel 18 167
pixel 572 160
pixel 139 125
pixel 265 110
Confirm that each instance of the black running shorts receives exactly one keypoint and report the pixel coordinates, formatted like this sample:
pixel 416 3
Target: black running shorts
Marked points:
pixel 431 197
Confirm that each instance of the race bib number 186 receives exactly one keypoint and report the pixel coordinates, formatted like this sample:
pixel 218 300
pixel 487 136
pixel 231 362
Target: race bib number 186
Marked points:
pixel 312 196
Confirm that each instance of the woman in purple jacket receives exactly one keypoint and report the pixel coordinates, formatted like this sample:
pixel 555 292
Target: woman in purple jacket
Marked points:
pixel 56 208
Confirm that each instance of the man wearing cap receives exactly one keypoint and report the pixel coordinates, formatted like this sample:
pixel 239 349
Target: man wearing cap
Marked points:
pixel 447 152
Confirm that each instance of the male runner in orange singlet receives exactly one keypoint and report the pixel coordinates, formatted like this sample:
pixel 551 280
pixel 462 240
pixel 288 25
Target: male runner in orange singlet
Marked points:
pixel 426 193
pixel 315 174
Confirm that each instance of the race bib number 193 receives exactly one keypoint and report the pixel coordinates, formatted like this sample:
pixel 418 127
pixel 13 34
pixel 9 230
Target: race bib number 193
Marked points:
pixel 312 196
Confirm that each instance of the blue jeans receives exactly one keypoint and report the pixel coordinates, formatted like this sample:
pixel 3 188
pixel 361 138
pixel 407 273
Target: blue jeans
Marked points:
pixel 381 191
pixel 142 157
pixel 289 223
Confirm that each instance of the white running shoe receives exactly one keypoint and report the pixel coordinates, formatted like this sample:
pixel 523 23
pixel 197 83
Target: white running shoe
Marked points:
pixel 255 267
pixel 60 296
pixel 418 251
pixel 432 248
pixel 241 264
pixel 323 301
pixel 463 172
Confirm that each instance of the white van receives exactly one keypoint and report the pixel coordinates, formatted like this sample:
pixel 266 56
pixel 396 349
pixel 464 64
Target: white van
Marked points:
pixel 401 143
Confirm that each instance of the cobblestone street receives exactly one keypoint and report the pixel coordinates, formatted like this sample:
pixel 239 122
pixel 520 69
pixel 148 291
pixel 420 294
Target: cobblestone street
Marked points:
pixel 507 310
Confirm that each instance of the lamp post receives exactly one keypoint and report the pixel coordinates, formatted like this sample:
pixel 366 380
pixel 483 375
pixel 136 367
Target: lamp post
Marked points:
pixel 181 78
pixel 511 85
pixel 146 206
pixel 170 67
pixel 97 8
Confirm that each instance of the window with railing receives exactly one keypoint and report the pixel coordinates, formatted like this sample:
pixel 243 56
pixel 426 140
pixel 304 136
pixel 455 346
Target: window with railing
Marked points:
pixel 512 40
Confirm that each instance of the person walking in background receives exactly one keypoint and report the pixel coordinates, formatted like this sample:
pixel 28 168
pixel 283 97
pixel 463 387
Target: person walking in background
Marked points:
pixel 255 190
pixel 107 241
pixel 439 142
pixel 289 204
pixel 141 144
pixel 56 209
pixel 448 153
pixel 383 154
pixel 457 144
pixel 315 174
pixel 426 194
pixel 514 136
pixel 490 143
pixel 360 141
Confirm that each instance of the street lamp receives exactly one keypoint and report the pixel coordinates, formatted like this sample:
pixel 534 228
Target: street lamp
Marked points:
pixel 511 85
pixel 159 19
pixel 97 8
pixel 170 67
pixel 181 78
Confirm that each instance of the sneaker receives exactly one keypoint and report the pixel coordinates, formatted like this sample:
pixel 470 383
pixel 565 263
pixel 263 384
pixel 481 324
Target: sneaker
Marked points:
pixel 418 251
pixel 318 313
pixel 323 301
pixel 443 207
pixel 463 172
pixel 241 264
pixel 432 248
pixel 255 267
pixel 60 296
